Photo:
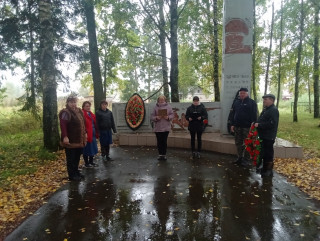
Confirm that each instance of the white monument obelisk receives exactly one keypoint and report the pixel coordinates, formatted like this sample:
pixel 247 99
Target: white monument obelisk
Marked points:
pixel 237 53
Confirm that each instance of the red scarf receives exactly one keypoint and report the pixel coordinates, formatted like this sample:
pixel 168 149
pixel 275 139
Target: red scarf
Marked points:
pixel 88 121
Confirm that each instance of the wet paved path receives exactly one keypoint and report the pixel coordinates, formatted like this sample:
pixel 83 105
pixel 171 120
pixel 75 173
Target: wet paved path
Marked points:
pixel 136 197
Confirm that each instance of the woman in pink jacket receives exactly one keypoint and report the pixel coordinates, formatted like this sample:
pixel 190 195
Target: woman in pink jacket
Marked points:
pixel 161 116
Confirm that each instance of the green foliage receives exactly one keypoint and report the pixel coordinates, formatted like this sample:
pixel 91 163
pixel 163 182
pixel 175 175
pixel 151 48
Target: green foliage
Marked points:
pixel 2 94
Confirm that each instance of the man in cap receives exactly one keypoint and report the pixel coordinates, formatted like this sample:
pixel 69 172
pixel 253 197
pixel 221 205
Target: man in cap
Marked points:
pixel 245 112
pixel 267 126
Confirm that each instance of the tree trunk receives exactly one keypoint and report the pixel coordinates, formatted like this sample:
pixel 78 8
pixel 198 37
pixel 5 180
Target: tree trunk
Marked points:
pixel 280 54
pixel 254 88
pixel 309 96
pixel 105 63
pixel 32 65
pixel 162 38
pixel 174 71
pixel 48 77
pixel 316 60
pixel 216 52
pixel 269 53
pixel 296 86
pixel 94 55
pixel 211 30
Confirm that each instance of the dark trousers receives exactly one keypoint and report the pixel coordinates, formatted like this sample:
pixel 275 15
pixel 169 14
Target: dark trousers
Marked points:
pixel 162 140
pixel 73 159
pixel 105 150
pixel 267 151
pixel 240 134
pixel 88 159
pixel 193 140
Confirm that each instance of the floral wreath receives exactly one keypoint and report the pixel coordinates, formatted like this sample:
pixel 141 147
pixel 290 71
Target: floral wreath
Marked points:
pixel 135 111
pixel 253 145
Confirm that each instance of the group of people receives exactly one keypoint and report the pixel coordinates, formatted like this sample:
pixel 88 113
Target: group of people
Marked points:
pixel 245 115
pixel 79 130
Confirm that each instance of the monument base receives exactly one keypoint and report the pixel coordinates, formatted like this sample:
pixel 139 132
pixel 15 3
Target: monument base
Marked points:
pixel 215 142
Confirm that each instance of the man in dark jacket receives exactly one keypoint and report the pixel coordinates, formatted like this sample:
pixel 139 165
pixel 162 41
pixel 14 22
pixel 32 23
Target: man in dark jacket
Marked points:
pixel 267 125
pixel 245 113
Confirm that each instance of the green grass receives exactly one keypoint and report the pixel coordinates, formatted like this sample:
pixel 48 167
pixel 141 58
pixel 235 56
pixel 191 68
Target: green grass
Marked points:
pixel 21 154
pixel 305 132
pixel 21 145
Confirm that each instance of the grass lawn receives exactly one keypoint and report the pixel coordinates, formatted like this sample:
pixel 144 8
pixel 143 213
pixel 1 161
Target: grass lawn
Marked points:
pixel 305 132
pixel 21 146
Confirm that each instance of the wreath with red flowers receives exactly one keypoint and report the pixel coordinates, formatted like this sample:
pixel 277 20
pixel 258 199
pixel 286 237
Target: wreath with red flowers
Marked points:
pixel 135 111
pixel 253 145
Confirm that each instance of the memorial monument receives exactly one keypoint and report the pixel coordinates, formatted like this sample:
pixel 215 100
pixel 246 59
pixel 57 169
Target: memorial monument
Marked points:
pixel 236 53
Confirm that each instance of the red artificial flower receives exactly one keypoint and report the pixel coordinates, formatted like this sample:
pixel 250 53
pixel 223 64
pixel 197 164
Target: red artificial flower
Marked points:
pixel 253 144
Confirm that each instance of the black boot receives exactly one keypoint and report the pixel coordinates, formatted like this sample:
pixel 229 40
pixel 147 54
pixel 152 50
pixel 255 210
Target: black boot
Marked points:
pixel 91 162
pixel 237 161
pixel 86 161
pixel 244 162
pixel 267 169
pixel 259 168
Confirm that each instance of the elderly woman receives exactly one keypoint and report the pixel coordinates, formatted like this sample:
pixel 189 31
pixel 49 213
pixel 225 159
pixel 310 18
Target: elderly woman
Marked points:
pixel 161 116
pixel 106 125
pixel 73 136
pixel 91 149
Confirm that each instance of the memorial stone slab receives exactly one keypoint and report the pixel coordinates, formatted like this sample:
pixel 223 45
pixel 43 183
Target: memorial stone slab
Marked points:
pixel 237 53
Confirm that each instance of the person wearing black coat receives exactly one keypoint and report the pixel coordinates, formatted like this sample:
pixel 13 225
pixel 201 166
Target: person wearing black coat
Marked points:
pixel 105 124
pixel 195 115
pixel 245 112
pixel 267 126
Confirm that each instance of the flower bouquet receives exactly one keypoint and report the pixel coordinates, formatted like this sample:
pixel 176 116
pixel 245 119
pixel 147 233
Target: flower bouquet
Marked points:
pixel 253 145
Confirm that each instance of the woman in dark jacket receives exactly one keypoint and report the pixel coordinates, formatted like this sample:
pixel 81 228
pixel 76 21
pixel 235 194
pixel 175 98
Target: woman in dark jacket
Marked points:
pixel 73 136
pixel 105 123
pixel 196 114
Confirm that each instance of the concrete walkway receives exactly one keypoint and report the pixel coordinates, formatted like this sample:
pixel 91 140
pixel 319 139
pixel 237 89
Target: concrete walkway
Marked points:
pixel 136 197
